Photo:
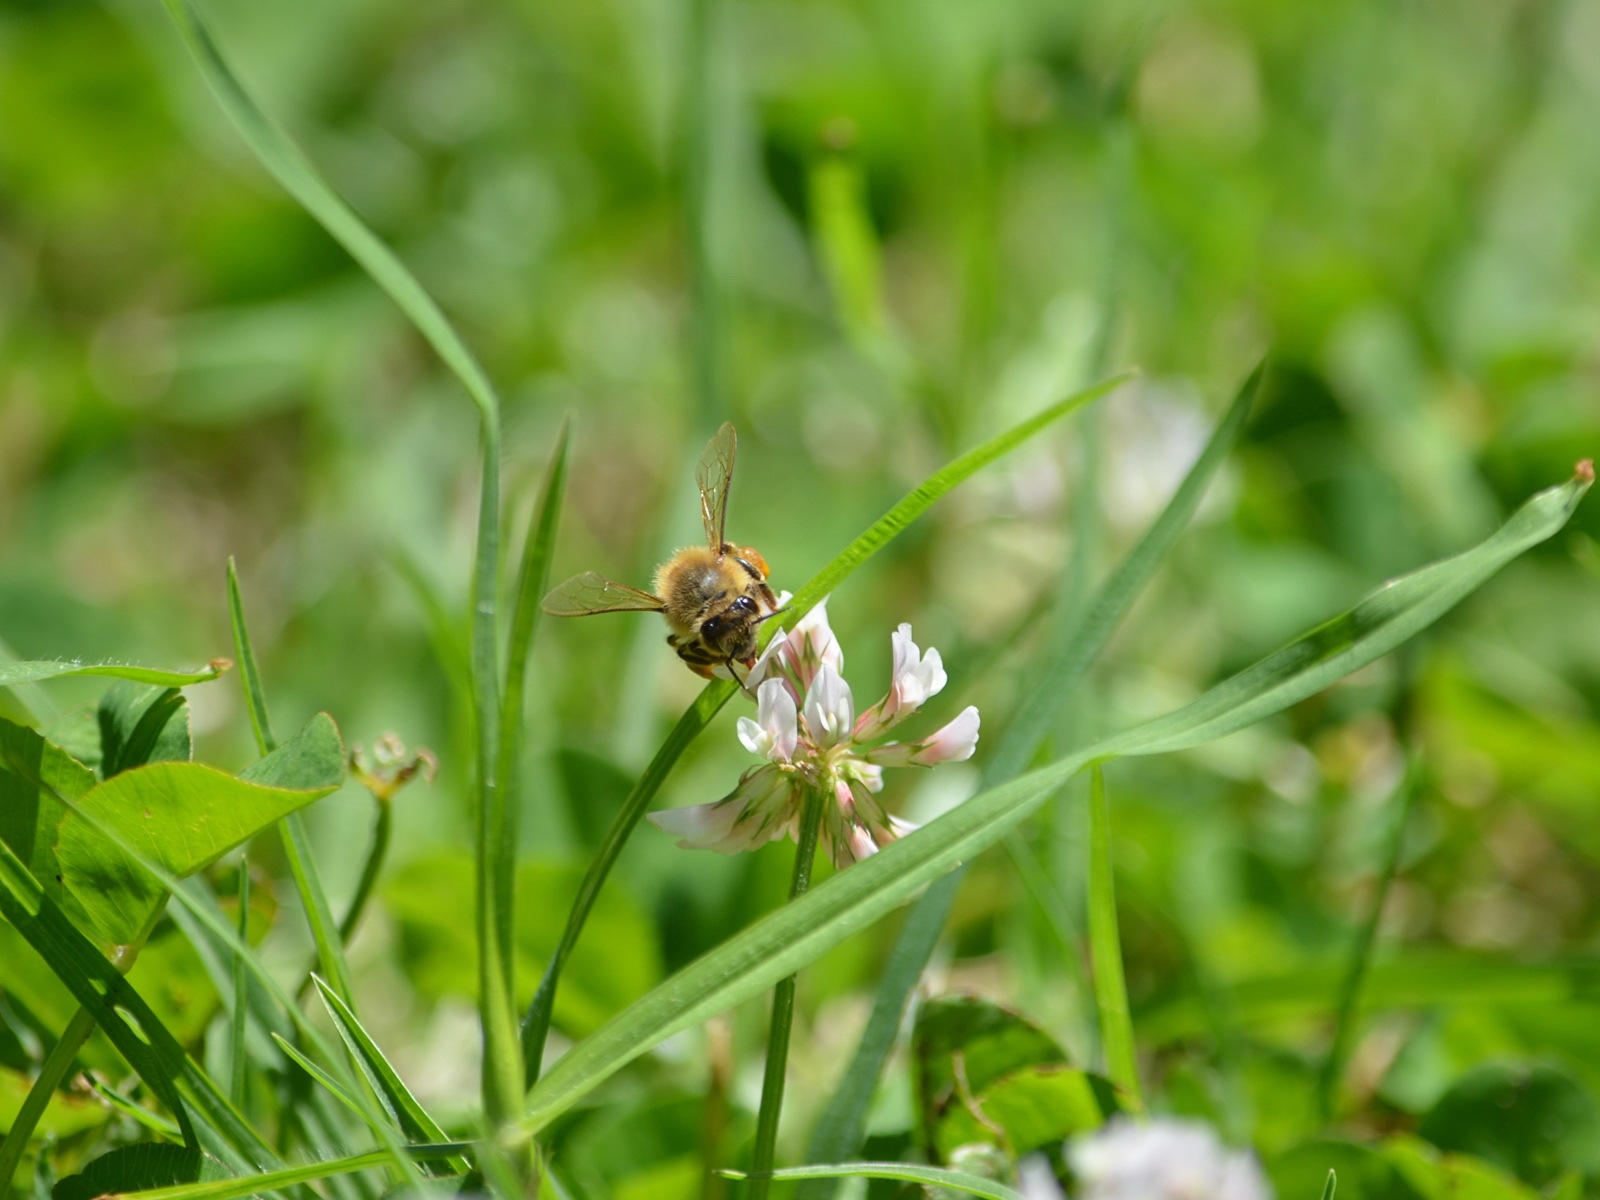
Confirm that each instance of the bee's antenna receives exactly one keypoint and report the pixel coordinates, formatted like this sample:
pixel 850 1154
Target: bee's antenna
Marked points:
pixel 777 612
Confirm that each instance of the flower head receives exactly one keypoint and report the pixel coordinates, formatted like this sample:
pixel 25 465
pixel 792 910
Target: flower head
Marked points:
pixel 1163 1160
pixel 807 729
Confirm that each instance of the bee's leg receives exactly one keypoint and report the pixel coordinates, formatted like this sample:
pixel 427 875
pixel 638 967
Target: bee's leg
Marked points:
pixel 744 684
pixel 694 657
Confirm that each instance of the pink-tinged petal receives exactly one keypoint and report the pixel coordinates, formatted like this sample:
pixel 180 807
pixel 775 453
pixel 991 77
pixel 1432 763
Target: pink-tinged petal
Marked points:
pixel 915 677
pixel 954 743
pixel 770 658
pixel 813 646
pixel 756 812
pixel 779 718
pixel 830 708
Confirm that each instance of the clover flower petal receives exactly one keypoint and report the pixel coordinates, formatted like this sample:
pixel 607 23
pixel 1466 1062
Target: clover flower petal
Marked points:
pixel 807 729
pixel 1163 1160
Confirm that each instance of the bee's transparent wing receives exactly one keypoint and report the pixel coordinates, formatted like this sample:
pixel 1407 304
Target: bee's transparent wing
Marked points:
pixel 590 593
pixel 715 476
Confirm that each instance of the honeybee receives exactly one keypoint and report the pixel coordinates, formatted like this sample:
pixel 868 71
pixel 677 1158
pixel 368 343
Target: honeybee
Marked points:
pixel 714 597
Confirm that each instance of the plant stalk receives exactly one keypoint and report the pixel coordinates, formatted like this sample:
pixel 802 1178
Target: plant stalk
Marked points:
pixel 381 827
pixel 782 1015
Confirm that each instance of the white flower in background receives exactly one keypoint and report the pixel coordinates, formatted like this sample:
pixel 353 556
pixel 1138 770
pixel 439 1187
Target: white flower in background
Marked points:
pixel 1163 1160
pixel 807 729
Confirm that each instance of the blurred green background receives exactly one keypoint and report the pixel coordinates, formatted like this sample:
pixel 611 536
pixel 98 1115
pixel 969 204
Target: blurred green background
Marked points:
pixel 870 234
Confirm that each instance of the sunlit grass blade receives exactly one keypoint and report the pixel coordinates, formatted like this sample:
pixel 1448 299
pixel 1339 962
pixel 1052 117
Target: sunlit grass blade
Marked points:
pixel 931 1177
pixel 328 1083
pixel 1331 1186
pixel 52 1073
pixel 15 674
pixel 1346 1013
pixel 502 1074
pixel 152 1121
pixel 1078 640
pixel 783 941
pixel 1105 948
pixel 410 1118
pixel 292 829
pixel 500 825
pixel 536 1024
pixel 273 1181
pixel 239 1018
pixel 109 999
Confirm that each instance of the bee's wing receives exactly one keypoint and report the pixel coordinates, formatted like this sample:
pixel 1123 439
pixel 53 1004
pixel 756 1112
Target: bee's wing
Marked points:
pixel 591 593
pixel 715 476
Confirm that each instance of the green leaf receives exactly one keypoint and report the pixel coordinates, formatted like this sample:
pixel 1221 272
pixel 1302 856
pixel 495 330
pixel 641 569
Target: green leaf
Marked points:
pixel 970 1042
pixel 1456 1177
pixel 141 1166
pixel 536 1024
pixel 182 816
pixel 960 1181
pixel 15 673
pixel 782 942
pixel 33 774
pixel 1534 1121
pixel 69 1112
pixel 409 1117
pixel 1110 992
pixel 1027 1110
pixel 141 724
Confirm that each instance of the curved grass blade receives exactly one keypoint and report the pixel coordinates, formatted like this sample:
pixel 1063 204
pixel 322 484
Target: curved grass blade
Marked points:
pixel 839 1131
pixel 502 1075
pixel 500 823
pixel 1110 991
pixel 959 1181
pixel 272 1181
pixel 409 1117
pixel 789 938
pixel 1331 1186
pixel 14 674
pixel 331 1085
pixel 536 1024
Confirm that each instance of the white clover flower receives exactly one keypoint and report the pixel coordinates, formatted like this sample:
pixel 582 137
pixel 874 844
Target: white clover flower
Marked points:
pixel 807 729
pixel 1163 1160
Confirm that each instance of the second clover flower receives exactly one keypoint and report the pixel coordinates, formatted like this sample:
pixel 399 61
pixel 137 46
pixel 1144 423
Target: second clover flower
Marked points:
pixel 807 729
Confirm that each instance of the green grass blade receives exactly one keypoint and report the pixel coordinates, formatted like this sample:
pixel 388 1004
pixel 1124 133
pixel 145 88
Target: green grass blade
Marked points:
pixel 960 1181
pixel 294 171
pixel 1331 1186
pixel 1346 1013
pixel 331 1085
pixel 500 829
pixel 409 1117
pixel 1086 636
pixel 255 700
pixel 272 1181
pixel 536 1024
pixel 109 999
pixel 239 1018
pixel 15 674
pixel 292 829
pixel 53 1071
pixel 889 526
pixel 290 167
pixel 798 933
pixel 1077 643
pixel 1105 947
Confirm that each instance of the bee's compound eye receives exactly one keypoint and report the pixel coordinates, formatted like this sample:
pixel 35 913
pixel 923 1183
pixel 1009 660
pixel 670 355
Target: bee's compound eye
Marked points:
pixel 745 605
pixel 711 627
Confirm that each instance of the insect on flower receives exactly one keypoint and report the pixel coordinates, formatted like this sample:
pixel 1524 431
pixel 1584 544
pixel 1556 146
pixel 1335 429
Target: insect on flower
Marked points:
pixel 807 729
pixel 714 597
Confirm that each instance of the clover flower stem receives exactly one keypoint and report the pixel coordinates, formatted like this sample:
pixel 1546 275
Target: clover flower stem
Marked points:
pixel 369 873
pixel 782 1015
